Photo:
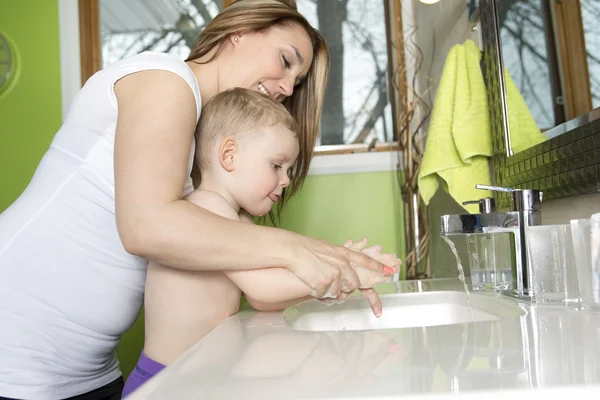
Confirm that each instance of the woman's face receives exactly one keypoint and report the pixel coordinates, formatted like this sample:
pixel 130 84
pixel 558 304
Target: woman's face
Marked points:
pixel 271 62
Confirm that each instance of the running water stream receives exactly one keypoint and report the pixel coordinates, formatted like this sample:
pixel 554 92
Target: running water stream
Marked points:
pixel 461 273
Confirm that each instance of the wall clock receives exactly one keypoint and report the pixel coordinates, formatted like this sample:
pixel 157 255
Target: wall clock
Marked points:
pixel 7 63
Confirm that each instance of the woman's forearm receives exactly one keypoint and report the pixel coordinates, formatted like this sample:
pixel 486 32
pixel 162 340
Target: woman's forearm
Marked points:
pixel 183 235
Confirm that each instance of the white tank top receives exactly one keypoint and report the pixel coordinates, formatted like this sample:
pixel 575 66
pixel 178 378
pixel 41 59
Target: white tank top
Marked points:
pixel 68 288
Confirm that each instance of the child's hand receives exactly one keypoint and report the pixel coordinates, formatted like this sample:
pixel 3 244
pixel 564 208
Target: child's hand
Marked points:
pixel 368 280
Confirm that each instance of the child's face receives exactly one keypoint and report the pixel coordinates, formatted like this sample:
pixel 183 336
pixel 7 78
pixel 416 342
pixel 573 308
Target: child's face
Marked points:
pixel 262 168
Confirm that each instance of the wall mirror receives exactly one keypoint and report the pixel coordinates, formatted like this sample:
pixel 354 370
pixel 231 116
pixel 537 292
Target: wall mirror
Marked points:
pixel 545 106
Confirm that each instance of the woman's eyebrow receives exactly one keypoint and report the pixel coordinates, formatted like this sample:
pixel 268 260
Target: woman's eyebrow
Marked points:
pixel 300 61
pixel 298 55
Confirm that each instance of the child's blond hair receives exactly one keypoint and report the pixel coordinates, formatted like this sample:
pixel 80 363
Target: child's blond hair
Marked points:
pixel 233 113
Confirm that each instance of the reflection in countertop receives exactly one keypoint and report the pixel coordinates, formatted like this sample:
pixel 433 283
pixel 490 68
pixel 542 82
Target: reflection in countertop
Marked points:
pixel 259 356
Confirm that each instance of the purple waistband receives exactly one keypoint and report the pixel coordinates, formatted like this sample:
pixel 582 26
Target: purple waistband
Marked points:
pixel 145 369
pixel 147 366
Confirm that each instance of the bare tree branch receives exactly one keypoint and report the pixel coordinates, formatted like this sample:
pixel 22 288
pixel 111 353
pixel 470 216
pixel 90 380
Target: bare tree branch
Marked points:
pixel 158 38
pixel 365 38
pixel 202 10
pixel 526 78
pixel 374 115
pixel 526 44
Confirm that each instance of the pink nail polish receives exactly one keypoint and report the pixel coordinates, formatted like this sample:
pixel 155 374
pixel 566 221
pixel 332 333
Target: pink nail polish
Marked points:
pixel 388 270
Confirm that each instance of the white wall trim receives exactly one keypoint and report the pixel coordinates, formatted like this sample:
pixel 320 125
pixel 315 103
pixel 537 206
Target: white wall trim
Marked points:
pixel 70 64
pixel 334 164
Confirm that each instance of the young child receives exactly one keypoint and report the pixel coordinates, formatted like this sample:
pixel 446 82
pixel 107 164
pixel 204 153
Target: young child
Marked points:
pixel 246 147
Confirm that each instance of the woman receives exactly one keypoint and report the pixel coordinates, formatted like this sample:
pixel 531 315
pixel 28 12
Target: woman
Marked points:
pixel 106 198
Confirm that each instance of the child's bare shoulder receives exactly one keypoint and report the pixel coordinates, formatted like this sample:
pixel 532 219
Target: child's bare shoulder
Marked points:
pixel 213 202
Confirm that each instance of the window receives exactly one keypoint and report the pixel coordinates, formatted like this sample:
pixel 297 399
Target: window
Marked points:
pixel 357 109
pixel 169 26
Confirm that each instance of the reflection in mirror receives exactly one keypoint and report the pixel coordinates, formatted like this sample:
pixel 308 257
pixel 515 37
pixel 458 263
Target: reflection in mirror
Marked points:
pixel 590 14
pixel 552 71
pixel 530 59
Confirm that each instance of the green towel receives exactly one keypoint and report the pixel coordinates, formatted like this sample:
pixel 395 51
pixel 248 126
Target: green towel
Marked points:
pixel 524 132
pixel 459 141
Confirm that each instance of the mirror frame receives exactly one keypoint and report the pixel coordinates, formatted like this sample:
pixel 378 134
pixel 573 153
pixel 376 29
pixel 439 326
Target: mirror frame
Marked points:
pixel 567 164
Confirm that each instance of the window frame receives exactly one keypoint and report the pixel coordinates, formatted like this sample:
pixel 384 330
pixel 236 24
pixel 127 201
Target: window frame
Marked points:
pixel 572 58
pixel 90 41
pixel 90 48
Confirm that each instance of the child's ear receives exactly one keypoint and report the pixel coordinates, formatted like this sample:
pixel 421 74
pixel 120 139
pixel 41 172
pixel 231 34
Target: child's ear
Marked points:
pixel 228 154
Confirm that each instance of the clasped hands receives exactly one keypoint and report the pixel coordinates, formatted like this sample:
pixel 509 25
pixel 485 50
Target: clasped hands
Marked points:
pixel 367 278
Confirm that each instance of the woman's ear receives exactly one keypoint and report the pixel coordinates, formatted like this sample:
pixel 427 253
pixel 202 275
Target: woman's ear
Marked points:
pixel 228 154
pixel 235 38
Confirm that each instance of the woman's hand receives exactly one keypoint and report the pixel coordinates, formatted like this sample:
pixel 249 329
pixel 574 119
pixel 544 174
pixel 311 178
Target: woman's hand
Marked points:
pixel 330 270
pixel 367 279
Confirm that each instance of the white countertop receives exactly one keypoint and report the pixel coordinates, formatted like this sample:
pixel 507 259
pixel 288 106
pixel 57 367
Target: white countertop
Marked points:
pixel 549 352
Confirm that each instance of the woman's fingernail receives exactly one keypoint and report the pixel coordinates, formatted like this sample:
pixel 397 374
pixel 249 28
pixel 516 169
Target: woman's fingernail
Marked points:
pixel 388 270
pixel 378 314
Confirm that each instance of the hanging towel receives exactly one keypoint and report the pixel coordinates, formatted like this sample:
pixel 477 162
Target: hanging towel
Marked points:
pixel 459 140
pixel 524 131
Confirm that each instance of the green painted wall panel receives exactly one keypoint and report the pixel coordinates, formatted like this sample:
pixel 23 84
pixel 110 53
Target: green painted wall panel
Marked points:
pixel 30 111
pixel 339 207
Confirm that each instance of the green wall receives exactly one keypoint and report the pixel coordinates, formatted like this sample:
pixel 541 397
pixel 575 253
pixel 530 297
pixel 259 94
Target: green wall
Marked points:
pixel 339 207
pixel 30 111
pixel 331 207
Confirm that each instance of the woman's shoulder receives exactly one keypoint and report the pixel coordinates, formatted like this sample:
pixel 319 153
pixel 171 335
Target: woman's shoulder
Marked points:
pixel 150 60
pixel 154 58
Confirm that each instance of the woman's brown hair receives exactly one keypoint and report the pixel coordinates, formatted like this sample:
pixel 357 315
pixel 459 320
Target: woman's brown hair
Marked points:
pixel 306 104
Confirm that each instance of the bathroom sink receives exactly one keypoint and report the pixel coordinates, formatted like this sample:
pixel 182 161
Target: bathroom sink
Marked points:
pixel 402 310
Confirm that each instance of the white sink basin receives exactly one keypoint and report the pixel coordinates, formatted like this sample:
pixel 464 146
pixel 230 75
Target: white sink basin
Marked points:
pixel 403 310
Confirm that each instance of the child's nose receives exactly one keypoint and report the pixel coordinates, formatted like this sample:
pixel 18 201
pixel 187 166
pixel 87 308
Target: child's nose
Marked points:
pixel 285 181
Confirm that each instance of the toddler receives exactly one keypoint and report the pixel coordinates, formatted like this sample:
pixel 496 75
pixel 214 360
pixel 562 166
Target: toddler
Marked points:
pixel 246 146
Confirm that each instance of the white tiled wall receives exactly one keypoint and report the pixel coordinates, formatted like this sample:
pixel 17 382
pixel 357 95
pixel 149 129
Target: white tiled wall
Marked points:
pixel 561 211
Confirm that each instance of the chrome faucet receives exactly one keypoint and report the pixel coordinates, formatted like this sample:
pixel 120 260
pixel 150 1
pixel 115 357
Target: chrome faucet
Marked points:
pixel 526 211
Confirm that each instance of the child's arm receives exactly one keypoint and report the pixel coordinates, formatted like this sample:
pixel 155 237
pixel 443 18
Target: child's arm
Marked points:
pixel 274 289
pixel 270 289
pixel 265 289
